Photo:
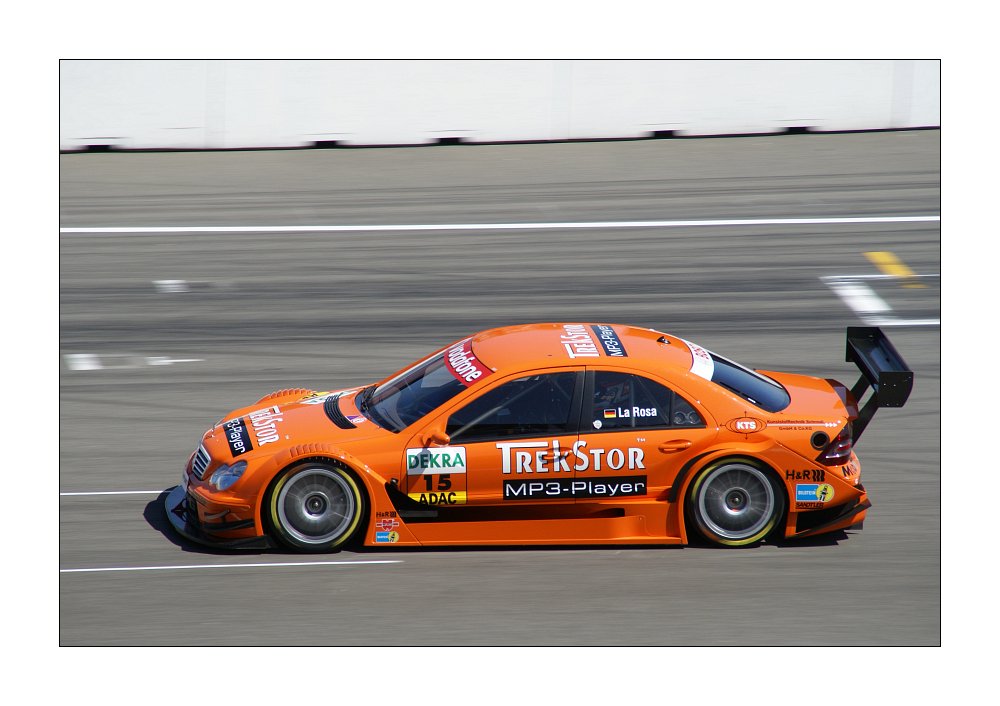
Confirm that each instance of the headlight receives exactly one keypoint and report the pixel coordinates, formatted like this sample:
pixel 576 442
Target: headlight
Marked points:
pixel 224 476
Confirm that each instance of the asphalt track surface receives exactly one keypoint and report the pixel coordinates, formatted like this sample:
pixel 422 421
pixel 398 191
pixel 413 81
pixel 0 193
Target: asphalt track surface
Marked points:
pixel 263 311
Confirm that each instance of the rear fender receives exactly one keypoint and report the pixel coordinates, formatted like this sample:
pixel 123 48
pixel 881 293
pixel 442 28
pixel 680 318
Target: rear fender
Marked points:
pixel 676 495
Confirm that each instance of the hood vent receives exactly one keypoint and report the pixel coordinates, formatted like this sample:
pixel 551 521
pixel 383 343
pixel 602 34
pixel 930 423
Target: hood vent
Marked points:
pixel 333 413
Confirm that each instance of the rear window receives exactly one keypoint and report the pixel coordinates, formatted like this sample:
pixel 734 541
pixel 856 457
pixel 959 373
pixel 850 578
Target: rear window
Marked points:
pixel 751 386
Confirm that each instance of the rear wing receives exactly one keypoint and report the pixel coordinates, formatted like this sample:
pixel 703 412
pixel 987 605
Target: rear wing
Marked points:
pixel 882 369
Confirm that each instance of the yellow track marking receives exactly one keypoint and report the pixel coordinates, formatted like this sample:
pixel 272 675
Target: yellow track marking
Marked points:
pixel 891 265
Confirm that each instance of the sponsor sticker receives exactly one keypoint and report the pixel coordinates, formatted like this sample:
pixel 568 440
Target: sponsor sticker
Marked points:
pixel 809 506
pixel 813 492
pixel 814 474
pixel 462 364
pixel 387 524
pixel 387 537
pixel 238 436
pixel 319 398
pixel 804 424
pixel 433 497
pixel 356 418
pixel 578 342
pixel 630 412
pixel 702 364
pixel 550 489
pixel 436 476
pixel 449 459
pixel 609 341
pixel 746 425
pixel 551 457
pixel 265 425
pixel 852 472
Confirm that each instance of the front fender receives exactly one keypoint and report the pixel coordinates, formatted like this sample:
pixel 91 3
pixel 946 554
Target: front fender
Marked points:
pixel 374 483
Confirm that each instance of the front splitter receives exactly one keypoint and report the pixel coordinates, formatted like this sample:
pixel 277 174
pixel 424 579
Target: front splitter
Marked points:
pixel 187 526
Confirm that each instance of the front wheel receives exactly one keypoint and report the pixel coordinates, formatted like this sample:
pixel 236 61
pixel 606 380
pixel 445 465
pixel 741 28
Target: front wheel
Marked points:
pixel 735 503
pixel 316 507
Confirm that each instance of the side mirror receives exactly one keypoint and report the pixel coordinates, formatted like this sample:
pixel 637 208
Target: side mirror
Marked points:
pixel 436 437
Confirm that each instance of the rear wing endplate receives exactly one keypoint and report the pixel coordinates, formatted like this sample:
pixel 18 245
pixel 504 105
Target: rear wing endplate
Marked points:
pixel 882 369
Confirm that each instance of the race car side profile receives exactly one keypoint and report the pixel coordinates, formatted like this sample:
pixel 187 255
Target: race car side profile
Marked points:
pixel 557 434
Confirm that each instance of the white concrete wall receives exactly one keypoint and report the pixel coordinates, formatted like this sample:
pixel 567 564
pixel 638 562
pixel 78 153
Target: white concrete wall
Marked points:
pixel 230 104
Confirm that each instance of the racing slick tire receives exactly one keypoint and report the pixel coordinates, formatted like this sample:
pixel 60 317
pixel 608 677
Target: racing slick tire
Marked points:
pixel 735 502
pixel 316 506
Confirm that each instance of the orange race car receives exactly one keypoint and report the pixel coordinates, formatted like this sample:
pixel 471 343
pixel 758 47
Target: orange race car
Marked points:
pixel 545 434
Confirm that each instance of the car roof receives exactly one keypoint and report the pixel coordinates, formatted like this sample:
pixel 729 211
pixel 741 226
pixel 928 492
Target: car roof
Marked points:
pixel 542 345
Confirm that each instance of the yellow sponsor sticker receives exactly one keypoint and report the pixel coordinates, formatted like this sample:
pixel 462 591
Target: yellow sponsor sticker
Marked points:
pixel 446 497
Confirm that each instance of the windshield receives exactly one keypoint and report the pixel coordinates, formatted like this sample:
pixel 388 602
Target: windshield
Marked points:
pixel 399 402
pixel 753 387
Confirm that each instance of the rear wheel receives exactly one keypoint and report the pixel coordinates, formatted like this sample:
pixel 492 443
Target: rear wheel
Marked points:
pixel 735 503
pixel 316 507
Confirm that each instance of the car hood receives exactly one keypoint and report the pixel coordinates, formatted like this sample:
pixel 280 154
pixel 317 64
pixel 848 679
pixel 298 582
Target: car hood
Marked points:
pixel 282 420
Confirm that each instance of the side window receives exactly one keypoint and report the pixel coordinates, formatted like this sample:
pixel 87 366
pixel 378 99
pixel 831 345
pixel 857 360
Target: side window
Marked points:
pixel 536 405
pixel 626 401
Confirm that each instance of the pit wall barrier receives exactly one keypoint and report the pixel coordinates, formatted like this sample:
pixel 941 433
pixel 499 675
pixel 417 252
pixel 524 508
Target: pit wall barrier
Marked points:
pixel 214 104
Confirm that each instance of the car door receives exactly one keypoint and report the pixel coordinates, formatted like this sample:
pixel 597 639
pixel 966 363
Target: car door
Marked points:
pixel 508 445
pixel 636 433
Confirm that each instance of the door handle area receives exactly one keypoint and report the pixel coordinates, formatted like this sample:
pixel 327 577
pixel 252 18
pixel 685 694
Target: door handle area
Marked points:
pixel 674 445
pixel 553 456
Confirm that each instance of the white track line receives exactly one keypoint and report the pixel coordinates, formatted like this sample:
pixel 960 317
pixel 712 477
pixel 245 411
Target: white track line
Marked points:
pixel 504 226
pixel 867 305
pixel 230 566
pixel 860 298
pixel 170 286
pixel 117 492
pixel 120 361
pixel 845 278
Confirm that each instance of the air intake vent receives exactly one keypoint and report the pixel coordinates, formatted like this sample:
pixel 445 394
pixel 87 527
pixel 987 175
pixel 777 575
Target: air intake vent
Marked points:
pixel 200 462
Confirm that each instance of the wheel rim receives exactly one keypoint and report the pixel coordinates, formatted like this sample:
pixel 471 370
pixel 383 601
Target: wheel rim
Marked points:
pixel 736 501
pixel 316 506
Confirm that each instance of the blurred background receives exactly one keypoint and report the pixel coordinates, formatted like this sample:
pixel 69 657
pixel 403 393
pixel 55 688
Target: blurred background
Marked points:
pixel 229 228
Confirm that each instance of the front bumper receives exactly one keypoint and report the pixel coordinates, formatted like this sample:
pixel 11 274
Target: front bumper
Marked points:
pixel 183 515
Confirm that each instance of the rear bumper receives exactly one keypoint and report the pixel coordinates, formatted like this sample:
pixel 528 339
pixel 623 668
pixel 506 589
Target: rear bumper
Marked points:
pixel 850 515
pixel 183 516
